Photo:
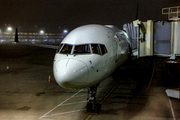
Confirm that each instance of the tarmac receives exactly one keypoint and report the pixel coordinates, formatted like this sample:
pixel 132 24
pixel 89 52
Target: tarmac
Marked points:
pixel 130 93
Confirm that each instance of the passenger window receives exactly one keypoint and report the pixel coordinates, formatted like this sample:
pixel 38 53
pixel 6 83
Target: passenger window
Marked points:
pixel 82 49
pixel 66 49
pixel 95 49
pixel 59 48
pixel 103 49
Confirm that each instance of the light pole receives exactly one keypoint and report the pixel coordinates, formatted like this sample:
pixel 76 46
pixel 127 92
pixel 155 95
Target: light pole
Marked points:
pixel 9 32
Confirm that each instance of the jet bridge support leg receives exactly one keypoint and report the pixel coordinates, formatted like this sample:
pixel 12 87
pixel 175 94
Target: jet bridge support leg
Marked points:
pixel 92 106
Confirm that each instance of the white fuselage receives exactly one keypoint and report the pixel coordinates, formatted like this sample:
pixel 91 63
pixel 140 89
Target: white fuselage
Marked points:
pixel 88 55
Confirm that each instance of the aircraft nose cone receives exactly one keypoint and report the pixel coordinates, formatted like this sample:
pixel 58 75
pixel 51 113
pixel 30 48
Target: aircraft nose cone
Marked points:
pixel 70 73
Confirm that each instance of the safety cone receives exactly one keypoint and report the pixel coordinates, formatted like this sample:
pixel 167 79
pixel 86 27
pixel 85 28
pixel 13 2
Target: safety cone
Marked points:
pixel 49 80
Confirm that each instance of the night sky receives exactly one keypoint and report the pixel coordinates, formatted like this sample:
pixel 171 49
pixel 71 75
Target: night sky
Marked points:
pixel 55 15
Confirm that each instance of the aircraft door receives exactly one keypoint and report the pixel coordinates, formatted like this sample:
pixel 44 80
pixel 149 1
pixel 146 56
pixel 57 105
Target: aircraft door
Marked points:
pixel 162 38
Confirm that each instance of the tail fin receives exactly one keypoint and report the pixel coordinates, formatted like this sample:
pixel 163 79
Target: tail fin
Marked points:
pixel 16 36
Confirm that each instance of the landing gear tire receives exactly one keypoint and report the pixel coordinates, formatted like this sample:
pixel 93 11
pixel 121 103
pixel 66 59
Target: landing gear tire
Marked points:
pixel 92 106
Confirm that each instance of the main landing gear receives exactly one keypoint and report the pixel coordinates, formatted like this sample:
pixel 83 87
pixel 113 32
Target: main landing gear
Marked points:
pixel 92 106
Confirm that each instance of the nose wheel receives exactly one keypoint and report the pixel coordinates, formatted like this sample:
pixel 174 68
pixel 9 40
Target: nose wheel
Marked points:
pixel 93 106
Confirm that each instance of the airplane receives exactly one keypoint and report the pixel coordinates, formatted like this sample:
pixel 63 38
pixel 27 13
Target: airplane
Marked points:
pixel 88 55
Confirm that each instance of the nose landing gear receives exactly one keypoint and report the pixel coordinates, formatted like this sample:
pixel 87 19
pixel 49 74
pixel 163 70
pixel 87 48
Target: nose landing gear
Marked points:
pixel 93 107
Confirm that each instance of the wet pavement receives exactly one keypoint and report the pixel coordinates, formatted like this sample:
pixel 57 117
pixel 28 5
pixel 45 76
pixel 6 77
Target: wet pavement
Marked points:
pixel 26 94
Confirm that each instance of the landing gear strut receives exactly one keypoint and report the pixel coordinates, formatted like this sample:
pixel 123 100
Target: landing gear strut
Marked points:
pixel 92 106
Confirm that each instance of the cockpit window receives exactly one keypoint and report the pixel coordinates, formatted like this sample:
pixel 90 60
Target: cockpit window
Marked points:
pixel 82 49
pixel 66 49
pixel 59 48
pixel 95 49
pixel 103 49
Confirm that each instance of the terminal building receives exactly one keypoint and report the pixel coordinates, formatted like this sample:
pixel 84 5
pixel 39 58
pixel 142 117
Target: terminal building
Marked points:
pixel 41 37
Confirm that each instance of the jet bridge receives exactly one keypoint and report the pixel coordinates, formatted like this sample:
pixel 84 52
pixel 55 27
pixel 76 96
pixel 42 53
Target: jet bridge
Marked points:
pixel 158 38
pixel 150 38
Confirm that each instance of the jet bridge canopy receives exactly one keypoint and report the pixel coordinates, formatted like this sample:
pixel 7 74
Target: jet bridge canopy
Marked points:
pixel 159 38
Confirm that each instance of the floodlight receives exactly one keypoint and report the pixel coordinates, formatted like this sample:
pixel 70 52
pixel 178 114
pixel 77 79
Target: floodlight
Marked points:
pixel 42 32
pixel 9 28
